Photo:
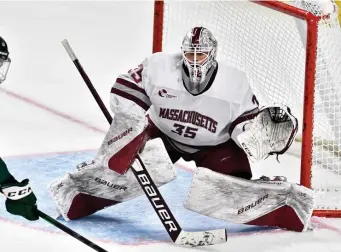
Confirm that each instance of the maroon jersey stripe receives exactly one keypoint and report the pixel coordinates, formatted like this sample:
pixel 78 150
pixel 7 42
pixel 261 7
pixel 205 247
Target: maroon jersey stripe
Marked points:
pixel 133 98
pixel 249 116
pixel 130 85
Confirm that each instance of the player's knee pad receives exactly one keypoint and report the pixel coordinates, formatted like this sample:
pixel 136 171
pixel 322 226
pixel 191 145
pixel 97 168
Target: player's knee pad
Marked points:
pixel 96 186
pixel 269 203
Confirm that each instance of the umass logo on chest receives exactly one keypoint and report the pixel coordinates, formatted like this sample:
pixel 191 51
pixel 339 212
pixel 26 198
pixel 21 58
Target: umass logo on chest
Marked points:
pixel 188 116
pixel 164 93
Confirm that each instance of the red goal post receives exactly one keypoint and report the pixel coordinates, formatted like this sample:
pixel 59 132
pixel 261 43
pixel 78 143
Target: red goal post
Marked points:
pixel 304 87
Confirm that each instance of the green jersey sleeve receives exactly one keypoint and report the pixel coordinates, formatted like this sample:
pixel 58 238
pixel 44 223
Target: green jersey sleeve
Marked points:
pixel 4 174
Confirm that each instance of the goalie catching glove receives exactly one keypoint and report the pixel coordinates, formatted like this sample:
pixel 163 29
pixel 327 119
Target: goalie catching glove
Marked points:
pixel 271 132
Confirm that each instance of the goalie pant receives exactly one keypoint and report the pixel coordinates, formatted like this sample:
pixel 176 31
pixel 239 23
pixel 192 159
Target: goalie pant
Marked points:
pixel 213 191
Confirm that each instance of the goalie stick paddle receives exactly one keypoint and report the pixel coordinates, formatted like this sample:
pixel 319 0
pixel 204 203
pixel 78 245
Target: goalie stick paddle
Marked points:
pixel 70 232
pixel 179 236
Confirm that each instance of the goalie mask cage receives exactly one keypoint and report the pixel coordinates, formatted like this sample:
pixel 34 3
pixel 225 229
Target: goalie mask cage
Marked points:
pixel 291 53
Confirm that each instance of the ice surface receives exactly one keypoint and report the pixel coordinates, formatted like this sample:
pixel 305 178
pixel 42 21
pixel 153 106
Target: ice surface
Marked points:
pixel 50 123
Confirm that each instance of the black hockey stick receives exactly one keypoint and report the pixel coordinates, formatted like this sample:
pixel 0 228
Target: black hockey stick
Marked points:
pixel 70 232
pixel 179 236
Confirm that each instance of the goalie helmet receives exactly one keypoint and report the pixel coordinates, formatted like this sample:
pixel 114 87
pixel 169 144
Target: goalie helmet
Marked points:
pixel 5 61
pixel 199 51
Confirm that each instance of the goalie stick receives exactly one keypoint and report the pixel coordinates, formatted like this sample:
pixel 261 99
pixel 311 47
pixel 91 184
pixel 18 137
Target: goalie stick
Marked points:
pixel 179 236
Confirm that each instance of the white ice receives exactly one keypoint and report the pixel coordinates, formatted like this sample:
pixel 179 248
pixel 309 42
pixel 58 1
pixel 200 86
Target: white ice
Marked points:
pixel 46 108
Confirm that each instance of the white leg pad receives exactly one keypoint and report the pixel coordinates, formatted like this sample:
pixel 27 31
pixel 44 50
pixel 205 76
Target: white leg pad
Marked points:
pixel 124 129
pixel 102 182
pixel 241 201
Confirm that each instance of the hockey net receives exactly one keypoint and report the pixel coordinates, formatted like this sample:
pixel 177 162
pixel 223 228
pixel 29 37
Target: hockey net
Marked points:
pixel 291 53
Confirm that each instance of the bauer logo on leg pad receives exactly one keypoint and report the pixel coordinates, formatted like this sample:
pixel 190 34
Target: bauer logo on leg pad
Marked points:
pixel 257 202
pixel 111 185
pixel 123 134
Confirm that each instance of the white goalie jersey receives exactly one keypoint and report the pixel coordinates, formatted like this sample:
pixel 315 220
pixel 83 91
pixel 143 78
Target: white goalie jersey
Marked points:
pixel 206 119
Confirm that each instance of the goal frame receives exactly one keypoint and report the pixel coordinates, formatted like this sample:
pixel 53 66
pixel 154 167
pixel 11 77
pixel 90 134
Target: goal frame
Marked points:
pixel 309 85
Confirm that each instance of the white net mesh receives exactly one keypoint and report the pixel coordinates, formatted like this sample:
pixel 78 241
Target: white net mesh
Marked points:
pixel 270 47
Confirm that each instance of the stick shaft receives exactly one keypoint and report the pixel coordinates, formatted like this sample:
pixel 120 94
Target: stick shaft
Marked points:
pixel 70 232
pixel 87 80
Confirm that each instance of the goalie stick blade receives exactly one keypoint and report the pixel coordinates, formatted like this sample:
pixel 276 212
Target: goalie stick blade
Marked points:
pixel 201 238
